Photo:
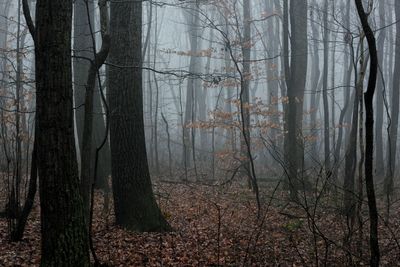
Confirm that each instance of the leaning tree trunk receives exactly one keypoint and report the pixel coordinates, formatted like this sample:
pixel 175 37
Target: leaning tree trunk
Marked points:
pixel 84 28
pixel 87 171
pixel 134 201
pixel 64 236
pixel 369 134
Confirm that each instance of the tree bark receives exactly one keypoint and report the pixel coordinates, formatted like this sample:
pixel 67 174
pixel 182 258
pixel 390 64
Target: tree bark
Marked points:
pixel 134 202
pixel 294 147
pixel 64 235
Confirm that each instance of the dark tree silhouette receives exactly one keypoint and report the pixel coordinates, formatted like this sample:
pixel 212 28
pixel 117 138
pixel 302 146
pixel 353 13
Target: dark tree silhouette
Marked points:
pixel 369 134
pixel 64 237
pixel 135 206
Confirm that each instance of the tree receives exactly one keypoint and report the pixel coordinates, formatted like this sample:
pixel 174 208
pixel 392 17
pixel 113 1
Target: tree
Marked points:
pixel 88 155
pixel 294 149
pixel 327 159
pixel 394 114
pixel 346 81
pixel 134 202
pixel 369 133
pixel 84 13
pixel 380 92
pixel 193 18
pixel 244 93
pixel 64 236
pixel 315 77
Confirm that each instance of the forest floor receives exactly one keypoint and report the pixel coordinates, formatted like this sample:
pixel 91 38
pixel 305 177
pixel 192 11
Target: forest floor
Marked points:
pixel 218 226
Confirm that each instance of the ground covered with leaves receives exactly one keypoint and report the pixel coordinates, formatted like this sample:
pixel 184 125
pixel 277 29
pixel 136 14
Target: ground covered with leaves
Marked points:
pixel 220 226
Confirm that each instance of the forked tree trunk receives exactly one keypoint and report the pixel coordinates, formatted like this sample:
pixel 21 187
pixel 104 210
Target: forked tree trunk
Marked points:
pixel 84 27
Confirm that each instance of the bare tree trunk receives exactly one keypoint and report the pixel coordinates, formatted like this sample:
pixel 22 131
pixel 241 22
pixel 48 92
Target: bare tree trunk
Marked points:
pixel 134 202
pixel 327 160
pixel 346 95
pixel 394 114
pixel 245 90
pixel 315 76
pixel 193 21
pixel 64 235
pixel 87 172
pixel 272 34
pixel 351 150
pixel 294 148
pixel 84 50
pixel 155 138
pixel 380 92
pixel 369 133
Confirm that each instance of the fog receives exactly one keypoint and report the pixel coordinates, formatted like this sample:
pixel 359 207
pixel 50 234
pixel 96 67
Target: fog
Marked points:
pixel 295 103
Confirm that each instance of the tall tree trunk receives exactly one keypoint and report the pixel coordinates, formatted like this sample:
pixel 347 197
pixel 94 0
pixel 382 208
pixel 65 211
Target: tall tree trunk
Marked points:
pixel 156 108
pixel 134 202
pixel 272 33
pixel 4 23
pixel 346 93
pixel 327 160
pixel 64 235
pixel 394 114
pixel 333 84
pixel 294 148
pixel 87 155
pixel 369 133
pixel 202 104
pixel 84 12
pixel 193 19
pixel 351 150
pixel 14 201
pixel 245 90
pixel 379 94
pixel 83 51
pixel 315 76
pixel 230 132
